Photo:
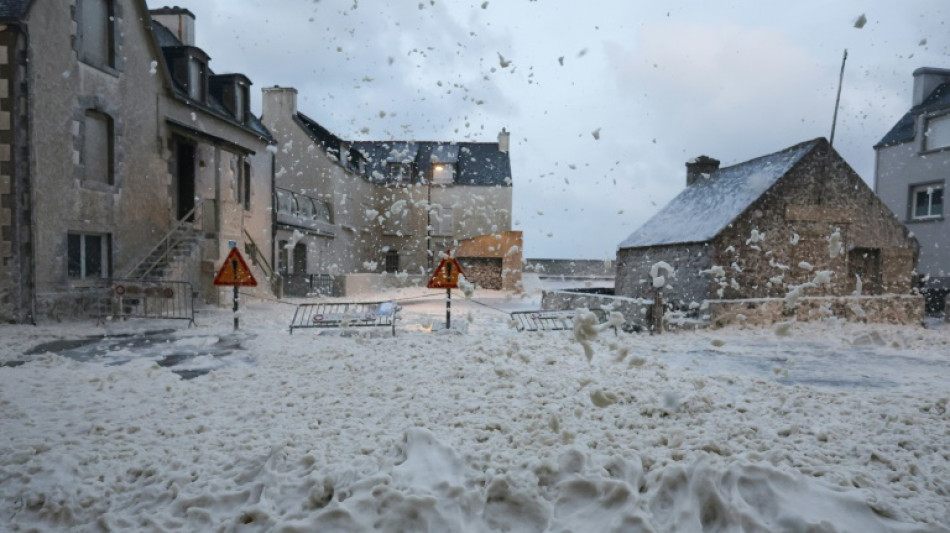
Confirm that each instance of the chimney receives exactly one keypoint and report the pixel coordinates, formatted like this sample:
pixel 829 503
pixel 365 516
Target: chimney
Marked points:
pixel 178 20
pixel 700 168
pixel 504 139
pixel 278 102
pixel 927 79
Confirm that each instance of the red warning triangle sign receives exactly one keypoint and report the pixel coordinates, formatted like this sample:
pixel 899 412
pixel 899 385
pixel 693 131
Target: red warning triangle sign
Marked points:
pixel 446 275
pixel 234 272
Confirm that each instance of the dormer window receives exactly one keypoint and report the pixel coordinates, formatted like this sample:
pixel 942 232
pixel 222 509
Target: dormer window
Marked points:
pixel 233 91
pixel 197 76
pixel 443 174
pixel 189 67
pixel 399 172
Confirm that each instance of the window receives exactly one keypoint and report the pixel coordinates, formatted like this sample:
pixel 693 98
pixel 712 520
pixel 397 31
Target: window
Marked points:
pixel 246 180
pixel 321 211
pixel 97 148
pixel 442 220
pixel 305 205
pixel 97 32
pixel 399 172
pixel 88 256
pixel 937 133
pixel 286 204
pixel 926 201
pixel 392 261
pixel 443 173
pixel 197 85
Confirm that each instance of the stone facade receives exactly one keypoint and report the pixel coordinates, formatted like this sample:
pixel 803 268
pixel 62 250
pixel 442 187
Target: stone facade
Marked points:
pixel 369 222
pixel 782 243
pixel 92 179
pixel 887 309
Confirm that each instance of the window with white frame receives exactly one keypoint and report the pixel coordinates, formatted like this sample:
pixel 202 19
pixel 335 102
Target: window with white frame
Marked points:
pixel 926 201
pixel 937 133
pixel 97 151
pixel 442 220
pixel 443 173
pixel 97 22
pixel 88 256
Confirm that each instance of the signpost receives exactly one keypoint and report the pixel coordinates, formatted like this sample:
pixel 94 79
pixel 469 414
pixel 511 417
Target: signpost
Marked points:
pixel 235 273
pixel 446 276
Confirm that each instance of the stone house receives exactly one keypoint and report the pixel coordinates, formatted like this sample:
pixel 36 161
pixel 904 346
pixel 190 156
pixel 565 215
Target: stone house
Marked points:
pixel 798 222
pixel 374 207
pixel 112 129
pixel 912 165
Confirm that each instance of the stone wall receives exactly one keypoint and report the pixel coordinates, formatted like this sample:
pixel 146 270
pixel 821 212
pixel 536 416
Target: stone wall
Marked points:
pixel 484 272
pixel 634 310
pixel 889 309
pixel 687 284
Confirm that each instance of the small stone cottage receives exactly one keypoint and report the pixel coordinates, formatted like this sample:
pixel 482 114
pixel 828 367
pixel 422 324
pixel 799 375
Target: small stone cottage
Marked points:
pixel 794 224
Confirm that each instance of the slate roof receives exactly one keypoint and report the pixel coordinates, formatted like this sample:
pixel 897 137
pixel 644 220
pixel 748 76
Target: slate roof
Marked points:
pixel 903 131
pixel 166 39
pixel 476 163
pixel 14 9
pixel 705 208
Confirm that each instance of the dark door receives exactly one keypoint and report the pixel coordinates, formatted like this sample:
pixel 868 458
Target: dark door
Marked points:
pixel 300 258
pixel 866 263
pixel 185 176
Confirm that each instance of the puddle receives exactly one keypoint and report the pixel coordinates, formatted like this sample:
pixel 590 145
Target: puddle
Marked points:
pixel 163 346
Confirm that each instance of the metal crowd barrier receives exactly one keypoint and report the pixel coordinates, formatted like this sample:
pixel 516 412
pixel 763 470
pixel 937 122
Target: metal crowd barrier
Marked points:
pixel 550 320
pixel 134 298
pixel 345 315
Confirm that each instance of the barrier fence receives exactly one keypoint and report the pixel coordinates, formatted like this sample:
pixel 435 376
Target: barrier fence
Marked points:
pixel 135 298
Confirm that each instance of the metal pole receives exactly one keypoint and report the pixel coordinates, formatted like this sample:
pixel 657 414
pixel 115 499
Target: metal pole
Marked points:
pixel 834 120
pixel 448 296
pixel 234 265
pixel 235 308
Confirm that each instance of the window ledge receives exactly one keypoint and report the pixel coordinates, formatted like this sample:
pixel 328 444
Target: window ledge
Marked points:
pixel 923 220
pixel 98 186
pixel 112 71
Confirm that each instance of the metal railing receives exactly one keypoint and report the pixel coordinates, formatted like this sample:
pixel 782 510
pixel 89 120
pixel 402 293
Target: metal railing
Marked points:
pixel 135 298
pixel 160 254
pixel 257 257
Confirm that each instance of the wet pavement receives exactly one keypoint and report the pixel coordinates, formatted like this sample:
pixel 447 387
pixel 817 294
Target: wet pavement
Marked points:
pixel 165 346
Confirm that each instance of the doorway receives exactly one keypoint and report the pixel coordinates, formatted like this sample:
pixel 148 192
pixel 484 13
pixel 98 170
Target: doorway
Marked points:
pixel 185 152
pixel 300 258
pixel 866 264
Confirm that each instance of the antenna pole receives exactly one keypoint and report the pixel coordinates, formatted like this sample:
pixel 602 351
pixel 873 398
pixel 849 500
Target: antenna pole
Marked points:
pixel 834 120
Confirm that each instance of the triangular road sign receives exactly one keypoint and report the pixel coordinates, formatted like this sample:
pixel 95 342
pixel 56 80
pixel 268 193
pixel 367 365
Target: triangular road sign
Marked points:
pixel 234 272
pixel 446 275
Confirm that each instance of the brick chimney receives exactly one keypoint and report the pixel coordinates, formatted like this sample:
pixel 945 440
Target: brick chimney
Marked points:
pixel 927 79
pixel 178 20
pixel 700 168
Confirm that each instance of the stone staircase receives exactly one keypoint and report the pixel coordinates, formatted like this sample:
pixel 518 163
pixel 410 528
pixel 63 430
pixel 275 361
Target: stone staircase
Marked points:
pixel 166 260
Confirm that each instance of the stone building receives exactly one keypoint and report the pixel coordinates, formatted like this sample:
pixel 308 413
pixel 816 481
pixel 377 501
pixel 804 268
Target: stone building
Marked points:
pixel 912 165
pixel 386 206
pixel 114 132
pixel 798 222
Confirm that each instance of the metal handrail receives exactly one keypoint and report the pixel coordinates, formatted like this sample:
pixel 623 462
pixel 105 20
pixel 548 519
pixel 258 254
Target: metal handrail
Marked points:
pixel 258 258
pixel 192 217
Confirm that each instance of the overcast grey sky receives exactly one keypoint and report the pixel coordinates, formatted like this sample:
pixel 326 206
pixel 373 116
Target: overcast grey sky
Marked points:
pixel 658 81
